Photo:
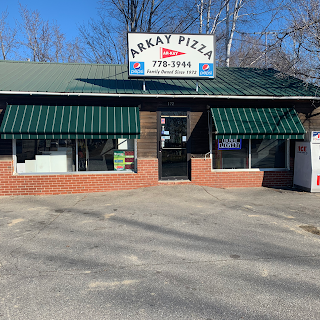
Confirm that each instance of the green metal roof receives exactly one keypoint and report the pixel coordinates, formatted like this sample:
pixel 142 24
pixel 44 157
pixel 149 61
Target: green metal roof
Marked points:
pixel 37 77
pixel 257 123
pixel 70 122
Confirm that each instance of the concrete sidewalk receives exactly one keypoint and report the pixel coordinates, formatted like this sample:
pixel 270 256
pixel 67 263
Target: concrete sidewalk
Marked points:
pixel 167 252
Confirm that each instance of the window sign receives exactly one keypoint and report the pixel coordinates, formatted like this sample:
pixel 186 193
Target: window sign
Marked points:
pixel 157 55
pixel 123 160
pixel 229 144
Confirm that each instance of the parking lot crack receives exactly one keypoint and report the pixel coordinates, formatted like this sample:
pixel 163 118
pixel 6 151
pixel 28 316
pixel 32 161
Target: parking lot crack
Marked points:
pixel 81 199
pixel 210 194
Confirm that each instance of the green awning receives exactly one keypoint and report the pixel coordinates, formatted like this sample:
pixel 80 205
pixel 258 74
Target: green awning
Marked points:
pixel 70 122
pixel 257 123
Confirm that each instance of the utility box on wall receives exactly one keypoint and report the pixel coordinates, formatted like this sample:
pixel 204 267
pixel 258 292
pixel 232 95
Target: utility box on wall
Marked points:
pixel 307 163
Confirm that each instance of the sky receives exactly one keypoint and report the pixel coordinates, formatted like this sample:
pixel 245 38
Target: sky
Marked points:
pixel 69 14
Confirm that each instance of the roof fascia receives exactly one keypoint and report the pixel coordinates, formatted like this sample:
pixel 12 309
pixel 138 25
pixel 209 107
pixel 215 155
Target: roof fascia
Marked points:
pixel 171 96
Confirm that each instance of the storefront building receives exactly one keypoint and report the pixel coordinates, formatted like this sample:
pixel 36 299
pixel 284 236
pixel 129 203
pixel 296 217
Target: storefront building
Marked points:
pixel 76 128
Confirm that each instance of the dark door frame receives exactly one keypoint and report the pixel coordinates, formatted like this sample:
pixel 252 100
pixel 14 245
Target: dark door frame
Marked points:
pixel 159 153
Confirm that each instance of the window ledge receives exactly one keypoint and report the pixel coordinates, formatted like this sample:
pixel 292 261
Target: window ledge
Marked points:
pixel 250 170
pixel 71 173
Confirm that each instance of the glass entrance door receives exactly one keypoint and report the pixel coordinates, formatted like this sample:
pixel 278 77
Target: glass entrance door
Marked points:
pixel 173 138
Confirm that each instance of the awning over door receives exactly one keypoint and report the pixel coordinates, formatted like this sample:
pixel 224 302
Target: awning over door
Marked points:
pixel 257 123
pixel 70 122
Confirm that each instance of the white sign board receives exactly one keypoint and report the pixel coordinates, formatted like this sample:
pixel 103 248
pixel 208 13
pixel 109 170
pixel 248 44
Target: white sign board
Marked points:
pixel 171 55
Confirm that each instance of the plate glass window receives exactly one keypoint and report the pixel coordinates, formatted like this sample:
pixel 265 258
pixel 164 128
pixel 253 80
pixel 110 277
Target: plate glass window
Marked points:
pixel 268 153
pixel 234 157
pixel 71 155
pixel 254 153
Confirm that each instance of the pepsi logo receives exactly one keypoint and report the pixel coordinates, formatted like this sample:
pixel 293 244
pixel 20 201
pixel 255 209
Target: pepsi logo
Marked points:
pixel 136 68
pixel 206 70
pixel 205 67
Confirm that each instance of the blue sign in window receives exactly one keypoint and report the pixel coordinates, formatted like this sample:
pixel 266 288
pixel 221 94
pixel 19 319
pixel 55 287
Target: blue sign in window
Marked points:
pixel 229 144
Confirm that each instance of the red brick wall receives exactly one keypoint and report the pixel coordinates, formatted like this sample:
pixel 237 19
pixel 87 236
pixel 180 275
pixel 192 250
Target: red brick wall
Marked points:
pixel 76 183
pixel 147 176
pixel 201 174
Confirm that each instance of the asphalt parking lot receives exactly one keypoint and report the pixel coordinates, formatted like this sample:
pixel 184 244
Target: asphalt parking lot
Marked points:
pixel 167 252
